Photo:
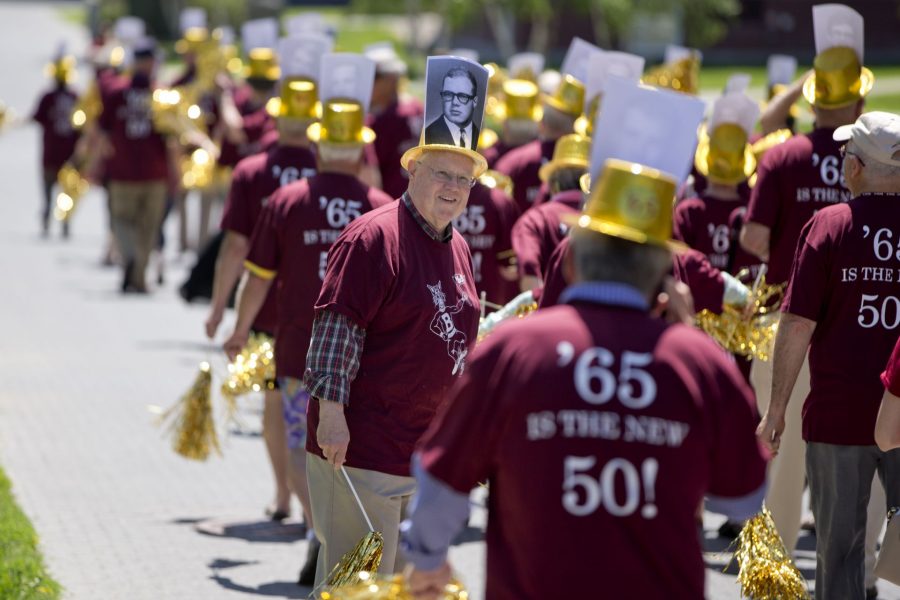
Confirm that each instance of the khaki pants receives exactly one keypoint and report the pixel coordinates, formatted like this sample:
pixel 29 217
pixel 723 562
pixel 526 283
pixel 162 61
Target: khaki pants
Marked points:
pixel 338 521
pixel 137 210
pixel 787 470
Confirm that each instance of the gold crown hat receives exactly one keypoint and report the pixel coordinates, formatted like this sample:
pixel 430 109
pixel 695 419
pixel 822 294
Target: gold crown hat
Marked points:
pixel 262 63
pixel 571 151
pixel 569 96
pixel 435 69
pixel 520 100
pixel 342 123
pixel 633 202
pixel 346 88
pixel 723 153
pixel 839 78
pixel 299 99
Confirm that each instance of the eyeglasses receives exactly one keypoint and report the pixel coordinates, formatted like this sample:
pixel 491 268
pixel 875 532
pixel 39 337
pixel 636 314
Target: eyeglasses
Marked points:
pixel 447 178
pixel 460 97
pixel 845 152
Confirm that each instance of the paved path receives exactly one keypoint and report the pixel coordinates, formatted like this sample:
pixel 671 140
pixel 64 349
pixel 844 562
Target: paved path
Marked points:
pixel 117 512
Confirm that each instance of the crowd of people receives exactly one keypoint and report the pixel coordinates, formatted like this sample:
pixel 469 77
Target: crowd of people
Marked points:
pixel 370 234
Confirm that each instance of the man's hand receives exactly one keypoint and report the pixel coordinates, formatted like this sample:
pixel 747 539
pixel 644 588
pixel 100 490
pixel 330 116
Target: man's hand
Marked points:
pixel 428 585
pixel 332 433
pixel 769 431
pixel 235 343
pixel 213 321
pixel 675 302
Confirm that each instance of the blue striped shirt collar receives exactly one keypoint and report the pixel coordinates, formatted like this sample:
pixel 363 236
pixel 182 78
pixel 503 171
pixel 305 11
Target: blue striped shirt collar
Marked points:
pixel 605 292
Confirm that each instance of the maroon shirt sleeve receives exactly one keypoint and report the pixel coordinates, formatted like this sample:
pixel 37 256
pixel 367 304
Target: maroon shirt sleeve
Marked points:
pixel 765 200
pixel 807 288
pixel 265 246
pixel 526 241
pixel 236 214
pixel 891 376
pixel 554 277
pixel 705 281
pixel 40 113
pixel 509 214
pixel 682 227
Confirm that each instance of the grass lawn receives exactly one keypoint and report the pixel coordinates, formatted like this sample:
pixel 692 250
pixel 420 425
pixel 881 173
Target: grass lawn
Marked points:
pixel 22 572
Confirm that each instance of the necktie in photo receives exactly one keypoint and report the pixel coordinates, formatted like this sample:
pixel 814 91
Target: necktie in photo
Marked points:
pixel 462 139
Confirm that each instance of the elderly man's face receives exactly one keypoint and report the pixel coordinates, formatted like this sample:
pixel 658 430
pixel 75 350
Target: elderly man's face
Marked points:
pixel 439 186
pixel 458 99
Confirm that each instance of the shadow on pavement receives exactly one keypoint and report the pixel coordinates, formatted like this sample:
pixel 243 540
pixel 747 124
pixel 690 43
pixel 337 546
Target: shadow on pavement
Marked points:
pixel 224 563
pixel 280 589
pixel 253 531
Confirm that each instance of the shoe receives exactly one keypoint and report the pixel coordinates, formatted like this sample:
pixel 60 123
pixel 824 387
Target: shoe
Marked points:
pixel 308 572
pixel 277 515
pixel 730 530
pixel 65 230
pixel 872 593
pixel 126 277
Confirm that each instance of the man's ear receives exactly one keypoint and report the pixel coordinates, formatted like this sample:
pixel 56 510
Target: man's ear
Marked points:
pixel 412 167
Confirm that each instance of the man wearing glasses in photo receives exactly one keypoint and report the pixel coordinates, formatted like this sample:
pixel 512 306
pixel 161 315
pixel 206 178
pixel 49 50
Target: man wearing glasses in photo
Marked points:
pixel 455 127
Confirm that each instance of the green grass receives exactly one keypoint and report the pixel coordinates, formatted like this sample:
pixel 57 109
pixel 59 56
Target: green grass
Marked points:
pixel 22 572
pixel 714 78
pixel 885 102
pixel 73 14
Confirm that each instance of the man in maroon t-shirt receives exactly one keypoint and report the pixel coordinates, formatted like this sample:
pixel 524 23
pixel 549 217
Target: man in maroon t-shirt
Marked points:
pixel 611 430
pixel 842 304
pixel 252 184
pixel 540 229
pixel 887 427
pixel 137 166
pixel 54 115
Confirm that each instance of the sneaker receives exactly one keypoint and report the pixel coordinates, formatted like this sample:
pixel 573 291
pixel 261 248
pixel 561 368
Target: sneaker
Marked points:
pixel 308 572
pixel 730 530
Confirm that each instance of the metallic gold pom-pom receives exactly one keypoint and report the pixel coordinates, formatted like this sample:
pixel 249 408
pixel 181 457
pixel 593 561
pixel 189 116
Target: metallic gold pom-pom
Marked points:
pixel 366 586
pixel 191 423
pixel 366 557
pixel 765 568
pixel 253 369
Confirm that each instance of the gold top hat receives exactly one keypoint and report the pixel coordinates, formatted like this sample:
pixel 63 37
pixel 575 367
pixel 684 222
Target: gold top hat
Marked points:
pixel 342 123
pixel 299 100
pixel 496 180
pixel 62 69
pixel 725 156
pixel 520 101
pixel 572 151
pixel 569 96
pixel 584 125
pixel 488 138
pixel 192 41
pixel 262 64
pixel 681 76
pixel 416 153
pixel 838 79
pixel 632 202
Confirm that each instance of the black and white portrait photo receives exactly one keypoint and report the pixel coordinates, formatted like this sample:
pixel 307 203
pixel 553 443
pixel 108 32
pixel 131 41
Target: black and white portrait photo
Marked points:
pixel 454 103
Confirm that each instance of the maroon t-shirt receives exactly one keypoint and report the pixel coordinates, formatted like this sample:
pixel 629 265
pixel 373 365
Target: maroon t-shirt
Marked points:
pixel 292 237
pixel 54 115
pixel 598 444
pixel 540 229
pixel 256 122
pixel 522 165
pixel 138 151
pixel 495 152
pixel 554 276
pixel 486 225
pixel 845 278
pixel 397 129
pixel 705 224
pixel 252 183
pixel 794 180
pixel 416 299
pixel 891 376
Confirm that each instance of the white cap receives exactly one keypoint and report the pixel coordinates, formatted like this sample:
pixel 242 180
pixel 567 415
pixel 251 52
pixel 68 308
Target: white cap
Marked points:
pixel 603 64
pixel 654 128
pixel 876 133
pixel 386 59
pixel 781 68
pixel 301 55
pixel 838 25
pixel 191 18
pixel 525 61
pixel 346 75
pixel 738 82
pixel 259 33
pixel 737 108
pixel 577 59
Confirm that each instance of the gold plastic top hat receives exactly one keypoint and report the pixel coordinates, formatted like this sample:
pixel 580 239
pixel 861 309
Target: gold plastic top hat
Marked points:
pixel 572 151
pixel 342 123
pixel 193 41
pixel 262 64
pixel 838 79
pixel 584 125
pixel 520 101
pixel 725 156
pixel 62 69
pixel 632 202
pixel 299 100
pixel 569 96
pixel 681 76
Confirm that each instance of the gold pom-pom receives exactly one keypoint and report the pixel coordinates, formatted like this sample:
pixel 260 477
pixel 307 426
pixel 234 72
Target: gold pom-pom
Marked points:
pixel 366 586
pixel 365 557
pixel 253 369
pixel 191 422
pixel 747 330
pixel 73 186
pixel 765 568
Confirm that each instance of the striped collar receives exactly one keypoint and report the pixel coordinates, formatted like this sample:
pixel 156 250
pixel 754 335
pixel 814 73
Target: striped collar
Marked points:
pixel 605 292
pixel 425 225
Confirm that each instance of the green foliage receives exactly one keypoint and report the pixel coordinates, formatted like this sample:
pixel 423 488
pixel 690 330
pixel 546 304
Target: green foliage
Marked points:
pixel 22 572
pixel 706 21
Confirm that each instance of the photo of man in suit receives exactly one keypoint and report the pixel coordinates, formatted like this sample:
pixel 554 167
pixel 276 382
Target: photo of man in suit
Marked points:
pixel 459 95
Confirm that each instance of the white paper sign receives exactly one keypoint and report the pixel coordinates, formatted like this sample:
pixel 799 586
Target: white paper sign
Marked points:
pixel 739 82
pixel 310 22
pixel 525 61
pixel 226 35
pixel 192 17
pixel 675 53
pixel 838 25
pixel 736 107
pixel 259 33
pixel 346 75
pixel 301 55
pixel 781 68
pixel 604 64
pixel 578 57
pixel 655 128
pixel 129 30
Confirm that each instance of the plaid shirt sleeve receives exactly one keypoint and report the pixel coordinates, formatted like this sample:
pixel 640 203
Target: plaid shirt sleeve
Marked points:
pixel 333 358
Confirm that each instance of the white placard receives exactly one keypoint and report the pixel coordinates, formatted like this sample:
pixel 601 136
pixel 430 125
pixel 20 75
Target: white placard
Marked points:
pixel 259 33
pixel 301 55
pixel 309 22
pixel 226 35
pixel 345 75
pixel 781 68
pixel 525 61
pixel 735 107
pixel 675 53
pixel 578 57
pixel 604 64
pixel 738 82
pixel 191 18
pixel 655 128
pixel 129 30
pixel 838 25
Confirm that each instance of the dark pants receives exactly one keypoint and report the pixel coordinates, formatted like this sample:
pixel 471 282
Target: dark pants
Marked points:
pixel 50 175
pixel 840 482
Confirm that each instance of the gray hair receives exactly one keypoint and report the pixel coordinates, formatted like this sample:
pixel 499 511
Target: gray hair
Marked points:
pixel 565 179
pixel 600 257
pixel 345 153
